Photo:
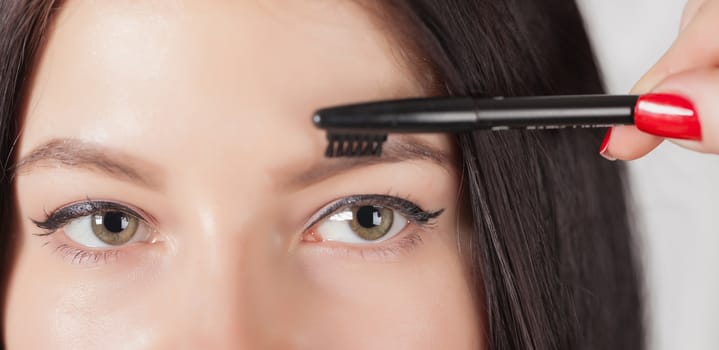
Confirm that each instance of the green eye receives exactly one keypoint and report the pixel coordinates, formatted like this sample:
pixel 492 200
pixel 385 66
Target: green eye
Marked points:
pixel 371 222
pixel 114 227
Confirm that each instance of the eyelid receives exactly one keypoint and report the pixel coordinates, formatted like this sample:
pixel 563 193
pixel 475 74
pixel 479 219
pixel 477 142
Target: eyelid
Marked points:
pixel 64 214
pixel 413 212
pixel 68 248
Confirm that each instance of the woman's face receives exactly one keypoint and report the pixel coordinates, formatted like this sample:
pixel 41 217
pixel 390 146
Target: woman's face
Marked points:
pixel 181 198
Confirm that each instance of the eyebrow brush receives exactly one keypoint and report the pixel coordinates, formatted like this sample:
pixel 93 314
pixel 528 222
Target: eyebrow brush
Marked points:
pixel 361 129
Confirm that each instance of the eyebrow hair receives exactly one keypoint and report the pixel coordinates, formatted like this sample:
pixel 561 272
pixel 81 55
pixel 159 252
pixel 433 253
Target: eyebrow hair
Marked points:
pixel 95 157
pixel 91 156
pixel 397 149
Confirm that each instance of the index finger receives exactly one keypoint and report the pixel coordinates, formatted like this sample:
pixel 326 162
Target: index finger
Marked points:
pixel 691 50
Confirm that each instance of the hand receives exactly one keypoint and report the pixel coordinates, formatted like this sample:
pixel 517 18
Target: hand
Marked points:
pixel 690 69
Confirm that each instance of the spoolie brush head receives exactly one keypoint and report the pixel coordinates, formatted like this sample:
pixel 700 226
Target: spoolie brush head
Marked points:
pixel 354 145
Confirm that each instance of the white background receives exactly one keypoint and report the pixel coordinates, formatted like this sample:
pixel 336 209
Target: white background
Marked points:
pixel 676 192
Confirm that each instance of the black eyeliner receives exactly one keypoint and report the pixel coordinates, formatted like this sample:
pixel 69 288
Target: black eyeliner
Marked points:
pixel 64 215
pixel 413 212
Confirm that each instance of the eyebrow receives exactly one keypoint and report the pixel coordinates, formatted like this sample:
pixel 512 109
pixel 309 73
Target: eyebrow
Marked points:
pixel 95 157
pixel 401 148
pixel 91 156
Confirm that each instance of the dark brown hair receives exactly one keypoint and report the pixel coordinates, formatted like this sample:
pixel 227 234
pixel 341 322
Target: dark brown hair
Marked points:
pixel 552 248
pixel 22 27
pixel 551 253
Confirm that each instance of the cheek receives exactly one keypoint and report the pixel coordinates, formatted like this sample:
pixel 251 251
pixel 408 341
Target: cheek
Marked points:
pixel 74 318
pixel 309 301
pixel 50 307
pixel 421 301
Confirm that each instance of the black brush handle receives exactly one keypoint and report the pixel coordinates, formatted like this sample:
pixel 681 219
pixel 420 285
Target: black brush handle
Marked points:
pixel 458 114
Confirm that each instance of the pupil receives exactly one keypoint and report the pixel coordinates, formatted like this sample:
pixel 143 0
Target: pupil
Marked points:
pixel 115 222
pixel 369 217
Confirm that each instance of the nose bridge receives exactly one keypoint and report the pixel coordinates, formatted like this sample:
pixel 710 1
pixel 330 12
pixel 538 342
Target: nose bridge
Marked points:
pixel 227 256
pixel 220 257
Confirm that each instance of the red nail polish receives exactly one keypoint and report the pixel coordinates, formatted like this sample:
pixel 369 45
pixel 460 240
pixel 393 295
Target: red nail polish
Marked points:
pixel 667 115
pixel 605 145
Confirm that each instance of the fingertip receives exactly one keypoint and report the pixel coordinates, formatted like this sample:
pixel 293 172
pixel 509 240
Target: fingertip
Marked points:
pixel 627 143
pixel 603 149
pixel 700 88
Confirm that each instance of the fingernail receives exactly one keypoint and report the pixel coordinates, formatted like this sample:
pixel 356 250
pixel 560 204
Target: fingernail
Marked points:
pixel 603 150
pixel 667 115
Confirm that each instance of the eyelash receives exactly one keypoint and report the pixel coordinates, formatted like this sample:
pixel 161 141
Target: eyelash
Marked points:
pixel 393 246
pixel 82 256
pixel 57 219
pixel 416 214
pixel 61 217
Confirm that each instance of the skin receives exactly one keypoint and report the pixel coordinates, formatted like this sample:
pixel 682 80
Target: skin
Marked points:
pixel 688 69
pixel 209 103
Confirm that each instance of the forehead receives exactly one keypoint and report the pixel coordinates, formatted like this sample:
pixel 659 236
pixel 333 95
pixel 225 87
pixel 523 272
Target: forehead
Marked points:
pixel 118 72
pixel 251 47
pixel 211 93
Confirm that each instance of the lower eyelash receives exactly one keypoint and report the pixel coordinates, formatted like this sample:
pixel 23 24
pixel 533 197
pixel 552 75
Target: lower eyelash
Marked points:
pixel 400 246
pixel 392 248
pixel 82 256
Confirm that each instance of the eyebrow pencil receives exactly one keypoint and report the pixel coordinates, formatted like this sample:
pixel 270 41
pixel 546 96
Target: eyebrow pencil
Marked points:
pixel 361 129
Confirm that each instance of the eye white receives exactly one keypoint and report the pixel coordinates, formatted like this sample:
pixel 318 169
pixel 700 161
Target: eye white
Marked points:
pixel 80 231
pixel 336 228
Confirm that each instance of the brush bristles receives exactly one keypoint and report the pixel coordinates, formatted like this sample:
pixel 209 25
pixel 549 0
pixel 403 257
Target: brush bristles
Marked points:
pixel 350 145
